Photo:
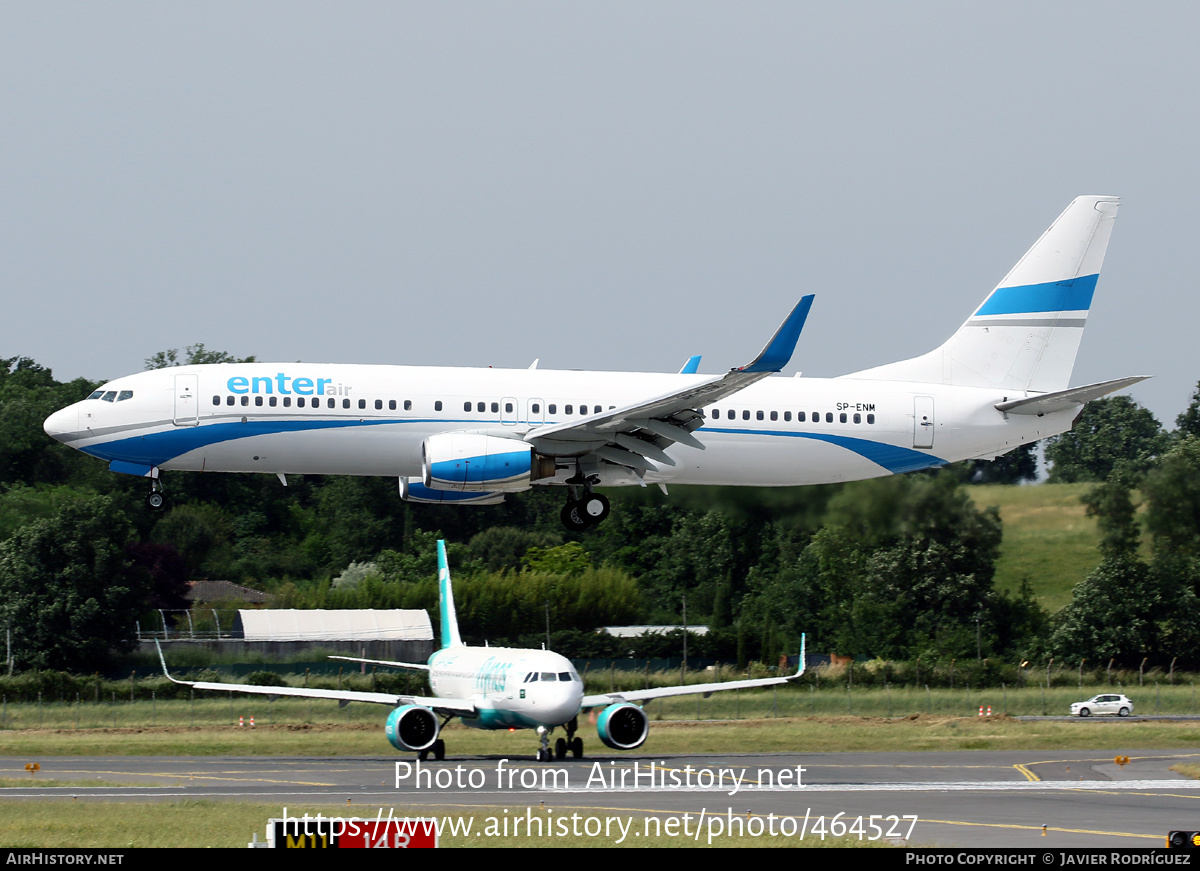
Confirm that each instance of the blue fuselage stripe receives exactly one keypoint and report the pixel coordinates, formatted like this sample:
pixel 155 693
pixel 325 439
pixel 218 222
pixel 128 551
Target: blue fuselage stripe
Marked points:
pixel 158 448
pixel 895 459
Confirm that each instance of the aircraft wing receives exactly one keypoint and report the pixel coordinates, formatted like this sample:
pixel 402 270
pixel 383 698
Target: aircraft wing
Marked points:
pixel 691 689
pixel 636 434
pixel 413 665
pixel 457 707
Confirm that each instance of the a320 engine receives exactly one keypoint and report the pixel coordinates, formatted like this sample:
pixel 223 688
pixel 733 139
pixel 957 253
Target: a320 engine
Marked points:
pixel 412 727
pixel 475 462
pixel 623 726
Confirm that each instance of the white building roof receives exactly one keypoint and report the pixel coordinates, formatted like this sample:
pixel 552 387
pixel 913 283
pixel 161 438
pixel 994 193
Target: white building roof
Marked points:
pixel 352 625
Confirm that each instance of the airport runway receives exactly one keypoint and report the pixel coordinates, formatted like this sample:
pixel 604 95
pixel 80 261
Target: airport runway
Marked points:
pixel 959 799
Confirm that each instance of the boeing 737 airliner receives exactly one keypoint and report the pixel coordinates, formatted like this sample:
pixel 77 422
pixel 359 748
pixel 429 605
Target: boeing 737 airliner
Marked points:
pixel 500 688
pixel 469 436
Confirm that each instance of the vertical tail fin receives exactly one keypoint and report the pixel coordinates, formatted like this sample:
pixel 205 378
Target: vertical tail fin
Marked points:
pixel 1026 334
pixel 450 637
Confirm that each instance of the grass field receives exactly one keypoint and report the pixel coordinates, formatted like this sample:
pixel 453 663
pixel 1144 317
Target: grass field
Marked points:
pixel 1048 538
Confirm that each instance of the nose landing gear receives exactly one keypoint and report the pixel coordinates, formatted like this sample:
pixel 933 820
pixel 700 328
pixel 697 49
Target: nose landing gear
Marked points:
pixel 155 498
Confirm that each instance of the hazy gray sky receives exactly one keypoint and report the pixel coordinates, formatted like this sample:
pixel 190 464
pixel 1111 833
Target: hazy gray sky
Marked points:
pixel 601 185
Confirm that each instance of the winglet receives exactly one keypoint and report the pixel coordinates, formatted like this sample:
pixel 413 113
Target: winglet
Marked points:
pixel 163 660
pixel 450 637
pixel 779 350
pixel 801 665
pixel 690 367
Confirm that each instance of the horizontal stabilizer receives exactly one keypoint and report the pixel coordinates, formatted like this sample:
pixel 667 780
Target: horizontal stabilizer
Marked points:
pixel 1064 399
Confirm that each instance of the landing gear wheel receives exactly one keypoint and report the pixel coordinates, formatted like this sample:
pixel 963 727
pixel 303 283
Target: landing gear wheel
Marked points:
pixel 573 517
pixel 577 748
pixel 560 748
pixel 439 749
pixel 543 755
pixel 595 507
pixel 155 500
pixel 422 755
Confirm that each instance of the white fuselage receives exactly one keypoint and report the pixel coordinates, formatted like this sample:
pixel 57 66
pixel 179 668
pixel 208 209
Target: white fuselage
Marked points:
pixel 512 688
pixel 338 419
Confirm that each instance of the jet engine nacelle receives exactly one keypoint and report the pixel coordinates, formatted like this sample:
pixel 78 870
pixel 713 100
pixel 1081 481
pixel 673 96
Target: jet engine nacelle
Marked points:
pixel 415 491
pixel 412 727
pixel 477 462
pixel 623 726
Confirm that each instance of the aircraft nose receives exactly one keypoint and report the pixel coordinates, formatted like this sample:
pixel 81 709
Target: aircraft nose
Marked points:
pixel 62 424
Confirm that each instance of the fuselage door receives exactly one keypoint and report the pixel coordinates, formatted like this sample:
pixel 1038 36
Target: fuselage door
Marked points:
pixel 923 422
pixel 187 403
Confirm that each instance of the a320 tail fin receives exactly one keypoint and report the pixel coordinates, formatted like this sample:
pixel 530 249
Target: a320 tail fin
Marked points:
pixel 450 637
pixel 1025 335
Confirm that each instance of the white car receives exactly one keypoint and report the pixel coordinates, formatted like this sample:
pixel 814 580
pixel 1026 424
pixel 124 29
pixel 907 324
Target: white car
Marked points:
pixel 1106 703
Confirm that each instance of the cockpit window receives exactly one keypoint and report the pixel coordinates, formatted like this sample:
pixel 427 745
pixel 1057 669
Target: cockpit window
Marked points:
pixel 564 675
pixel 549 675
pixel 97 394
pixel 125 394
pixel 110 396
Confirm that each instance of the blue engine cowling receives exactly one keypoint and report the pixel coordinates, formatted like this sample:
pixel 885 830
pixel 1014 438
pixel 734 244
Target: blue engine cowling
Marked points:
pixel 412 727
pixel 623 726
pixel 476 462
pixel 414 491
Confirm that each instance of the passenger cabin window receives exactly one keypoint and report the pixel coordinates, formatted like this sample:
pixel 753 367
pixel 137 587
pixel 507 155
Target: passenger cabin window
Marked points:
pixel 437 406
pixel 229 400
pixel 408 405
pixel 392 404
pixel 378 404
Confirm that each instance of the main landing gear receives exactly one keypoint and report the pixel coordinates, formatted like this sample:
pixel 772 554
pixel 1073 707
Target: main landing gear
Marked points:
pixel 584 508
pixel 571 744
pixel 437 749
